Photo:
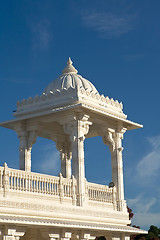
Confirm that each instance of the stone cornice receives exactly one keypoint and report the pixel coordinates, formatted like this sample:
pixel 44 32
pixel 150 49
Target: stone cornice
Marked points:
pixel 128 124
pixel 67 224
pixel 64 97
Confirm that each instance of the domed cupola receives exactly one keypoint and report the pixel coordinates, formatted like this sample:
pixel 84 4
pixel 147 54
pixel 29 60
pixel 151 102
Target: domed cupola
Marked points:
pixel 69 90
pixel 69 78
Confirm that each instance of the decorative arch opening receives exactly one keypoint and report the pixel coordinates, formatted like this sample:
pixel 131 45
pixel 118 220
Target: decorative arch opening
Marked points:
pixel 45 157
pixel 97 161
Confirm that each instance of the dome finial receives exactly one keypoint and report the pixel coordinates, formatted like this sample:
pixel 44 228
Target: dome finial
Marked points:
pixel 69 62
pixel 69 68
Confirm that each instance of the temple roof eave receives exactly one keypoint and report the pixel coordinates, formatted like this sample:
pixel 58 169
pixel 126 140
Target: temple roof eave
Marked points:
pixel 126 123
pixel 70 224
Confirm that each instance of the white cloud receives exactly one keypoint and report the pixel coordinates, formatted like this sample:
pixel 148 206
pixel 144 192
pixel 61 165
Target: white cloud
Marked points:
pixel 155 141
pixel 106 23
pixel 146 205
pixel 142 209
pixel 144 220
pixel 51 161
pixel 149 166
pixel 41 34
pixel 141 203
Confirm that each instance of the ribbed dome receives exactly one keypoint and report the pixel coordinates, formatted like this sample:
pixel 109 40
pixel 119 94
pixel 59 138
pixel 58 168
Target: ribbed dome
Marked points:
pixel 68 79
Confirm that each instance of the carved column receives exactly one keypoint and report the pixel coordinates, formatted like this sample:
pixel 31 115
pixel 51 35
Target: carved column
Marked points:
pixel 65 155
pixel 114 140
pixel 27 136
pixel 77 128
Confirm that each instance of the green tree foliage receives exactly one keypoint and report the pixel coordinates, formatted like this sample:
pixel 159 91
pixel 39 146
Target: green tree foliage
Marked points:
pixel 153 234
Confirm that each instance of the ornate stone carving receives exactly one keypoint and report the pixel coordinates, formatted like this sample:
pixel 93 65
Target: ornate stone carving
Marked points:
pixel 77 127
pixel 108 139
pixel 27 133
pixel 64 147
pixel 113 138
pixel 11 233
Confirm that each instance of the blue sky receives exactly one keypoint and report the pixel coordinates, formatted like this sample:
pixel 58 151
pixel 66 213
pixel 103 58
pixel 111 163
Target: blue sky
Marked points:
pixel 115 45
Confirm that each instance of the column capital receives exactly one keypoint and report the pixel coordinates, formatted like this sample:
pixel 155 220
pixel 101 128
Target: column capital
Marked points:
pixel 108 138
pixel 27 132
pixel 112 137
pixel 77 122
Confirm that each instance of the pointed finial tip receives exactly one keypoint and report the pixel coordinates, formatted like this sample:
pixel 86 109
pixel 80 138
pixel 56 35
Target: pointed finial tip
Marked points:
pixel 69 68
pixel 69 62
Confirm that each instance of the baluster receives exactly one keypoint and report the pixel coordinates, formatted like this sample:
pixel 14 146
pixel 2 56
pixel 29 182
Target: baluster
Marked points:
pixel 37 182
pixel 0 178
pixel 73 191
pixel 55 193
pixel 55 187
pixel 23 186
pixel 61 188
pixel 41 185
pixel 51 192
pixel 30 183
pixel 19 181
pixel 44 186
pixel 98 194
pixel 64 189
pixel 49 186
pixel 13 179
pixel 70 189
pixel 5 180
pixel 11 183
pixel 33 184
pixel 26 182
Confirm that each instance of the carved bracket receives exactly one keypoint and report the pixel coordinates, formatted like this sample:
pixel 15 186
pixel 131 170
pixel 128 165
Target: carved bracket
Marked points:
pixel 112 138
pixel 77 127
pixel 108 139
pixel 27 135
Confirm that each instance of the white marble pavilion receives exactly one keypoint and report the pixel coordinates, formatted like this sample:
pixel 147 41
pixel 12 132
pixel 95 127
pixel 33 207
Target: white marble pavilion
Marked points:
pixel 36 206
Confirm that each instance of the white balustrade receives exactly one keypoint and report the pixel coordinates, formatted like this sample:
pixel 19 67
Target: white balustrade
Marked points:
pixel 19 180
pixel 22 181
pixel 102 193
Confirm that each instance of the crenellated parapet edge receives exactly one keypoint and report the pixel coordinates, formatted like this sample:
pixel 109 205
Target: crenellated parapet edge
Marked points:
pixel 66 97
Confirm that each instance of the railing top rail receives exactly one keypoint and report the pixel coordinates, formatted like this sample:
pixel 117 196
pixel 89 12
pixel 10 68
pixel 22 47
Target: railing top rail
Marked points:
pixel 24 173
pixel 90 184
